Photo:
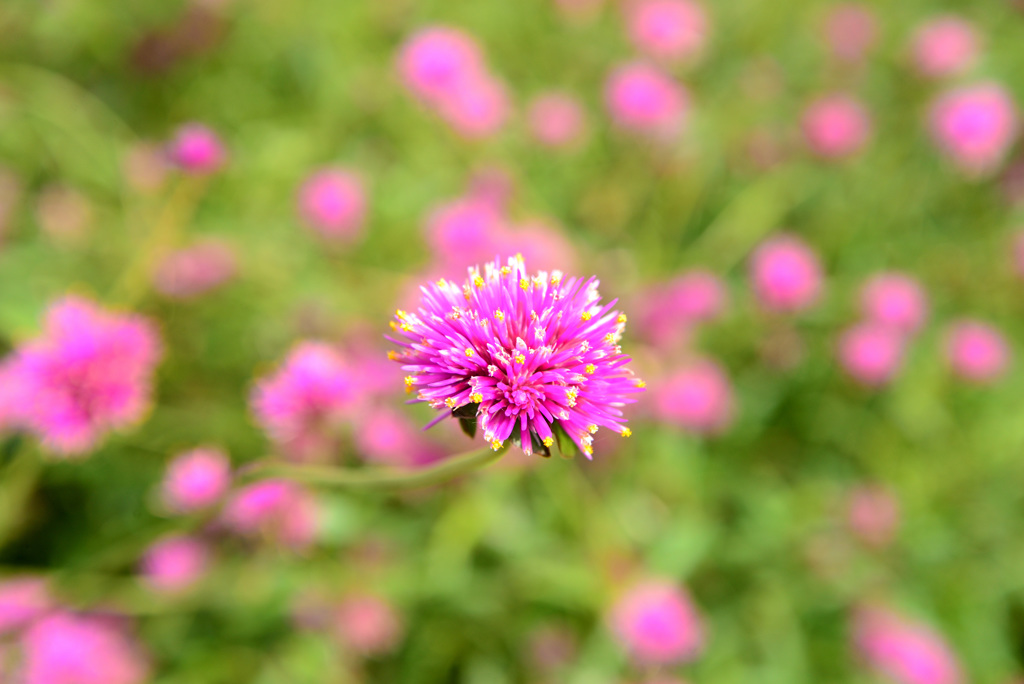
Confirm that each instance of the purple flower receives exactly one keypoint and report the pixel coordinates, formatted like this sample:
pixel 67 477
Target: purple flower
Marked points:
pixel 529 358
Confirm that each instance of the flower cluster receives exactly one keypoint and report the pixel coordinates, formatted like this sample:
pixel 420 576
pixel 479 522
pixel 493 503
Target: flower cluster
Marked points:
pixel 530 357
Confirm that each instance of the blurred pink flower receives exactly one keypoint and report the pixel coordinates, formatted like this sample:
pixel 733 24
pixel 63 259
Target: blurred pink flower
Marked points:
pixel 491 185
pixel 895 301
pixel 88 374
pixel 465 231
pixel 368 624
pixel 64 214
pixel 836 126
pixel 196 479
pixel 333 203
pixel 850 31
pixel 975 125
pixel 281 511
pixel 22 600
pixel 145 167
pixel 904 651
pixel 873 514
pixel 390 438
pixel 656 622
pixel 668 29
pixel 175 563
pixel 871 353
pixel 476 108
pixel 697 397
pixel 196 149
pixel 642 98
pixel 302 404
pixel 542 245
pixel 75 649
pixel 193 271
pixel 977 351
pixel 437 60
pixel 945 46
pixel 556 120
pixel 786 274
pixel 669 310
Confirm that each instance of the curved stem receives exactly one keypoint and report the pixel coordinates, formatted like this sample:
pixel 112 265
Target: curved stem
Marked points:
pixel 379 478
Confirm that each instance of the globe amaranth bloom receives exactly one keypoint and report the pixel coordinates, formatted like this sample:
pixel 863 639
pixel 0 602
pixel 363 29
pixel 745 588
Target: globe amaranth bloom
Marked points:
pixel 530 358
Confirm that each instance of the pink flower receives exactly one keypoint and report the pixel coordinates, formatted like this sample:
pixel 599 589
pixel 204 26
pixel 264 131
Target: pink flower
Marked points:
pixel 850 30
pixel 871 353
pixel 196 149
pixel 873 515
pixel 193 271
pixel 786 274
pixel 641 98
pixel 836 126
pixel 673 308
pixel 333 203
pixel 368 624
pixel 977 351
pixel 75 649
pixel 175 563
pixel 895 301
pixel 475 108
pixel 301 405
pixel 668 29
pixel 437 60
pixel 906 652
pixel 698 397
pixel 22 600
pixel 196 479
pixel 390 438
pixel 657 623
pixel 88 374
pixel 975 126
pixel 279 510
pixel 556 120
pixel 465 231
pixel 945 46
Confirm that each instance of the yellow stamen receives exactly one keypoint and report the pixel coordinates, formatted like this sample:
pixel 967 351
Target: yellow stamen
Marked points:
pixel 478 281
pixel 621 318
pixel 450 402
pixel 409 380
pixel 394 326
pixel 499 314
pixel 592 429
pixel 585 316
pixel 609 338
pixel 469 351
pixel 548 441
pixel 442 283
pixel 626 432
pixel 520 358
pixel 393 355
pixel 589 370
pixel 524 283
pixel 401 314
pixel 406 327
pixel 505 270
pixel 496 444
pixel 641 384
pixel 588 450
pixel 476 397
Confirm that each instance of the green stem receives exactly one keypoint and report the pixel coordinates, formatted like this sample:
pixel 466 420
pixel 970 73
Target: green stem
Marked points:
pixel 379 478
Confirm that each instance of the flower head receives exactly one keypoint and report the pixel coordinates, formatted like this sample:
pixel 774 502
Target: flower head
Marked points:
pixel 871 353
pixel 895 301
pixel 276 509
pixel 945 46
pixel 301 404
pixel 333 203
pixel 668 29
pixel 64 648
pixel 698 398
pixel 658 624
pixel 196 479
pixel 850 31
pixel 975 126
pixel 88 374
pixel 836 126
pixel 193 271
pixel 873 514
pixel 196 149
pixel 905 651
pixel 368 624
pixel 977 351
pixel 786 274
pixel 175 563
pixel 437 60
pixel 530 357
pixel 644 99
pixel 556 120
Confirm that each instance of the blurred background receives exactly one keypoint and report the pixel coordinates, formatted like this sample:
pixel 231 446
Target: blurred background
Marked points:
pixel 810 212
